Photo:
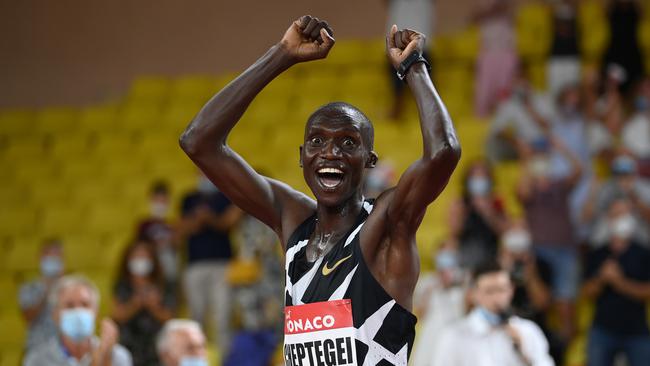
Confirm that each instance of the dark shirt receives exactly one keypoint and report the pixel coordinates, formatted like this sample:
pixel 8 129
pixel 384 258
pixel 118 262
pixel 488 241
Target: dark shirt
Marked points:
pixel 565 39
pixel 208 244
pixel 615 311
pixel 521 302
pixel 548 215
pixel 478 241
pixel 138 334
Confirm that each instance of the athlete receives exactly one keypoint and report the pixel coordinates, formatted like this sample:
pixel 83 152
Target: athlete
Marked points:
pixel 351 263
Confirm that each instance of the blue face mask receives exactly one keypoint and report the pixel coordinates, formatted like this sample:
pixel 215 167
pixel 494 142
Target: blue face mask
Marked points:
pixel 492 318
pixel 446 259
pixel 51 266
pixel 478 186
pixel 193 361
pixel 77 323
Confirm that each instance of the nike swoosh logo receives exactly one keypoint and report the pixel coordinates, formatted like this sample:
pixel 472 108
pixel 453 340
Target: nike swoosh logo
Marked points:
pixel 327 270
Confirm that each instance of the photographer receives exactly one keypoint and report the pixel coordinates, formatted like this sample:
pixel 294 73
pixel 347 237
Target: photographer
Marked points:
pixel 489 335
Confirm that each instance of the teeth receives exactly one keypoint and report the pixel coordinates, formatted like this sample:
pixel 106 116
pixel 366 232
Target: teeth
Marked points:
pixel 330 170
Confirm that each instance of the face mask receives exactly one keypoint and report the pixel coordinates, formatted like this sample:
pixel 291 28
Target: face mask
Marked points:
pixel 478 186
pixel 140 266
pixel 51 266
pixel 193 361
pixel 517 240
pixel 623 227
pixel 206 186
pixel 77 323
pixel 641 103
pixel 540 167
pixel 494 319
pixel 446 260
pixel 159 209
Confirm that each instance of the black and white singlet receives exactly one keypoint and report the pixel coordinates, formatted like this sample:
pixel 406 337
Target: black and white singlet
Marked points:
pixel 383 330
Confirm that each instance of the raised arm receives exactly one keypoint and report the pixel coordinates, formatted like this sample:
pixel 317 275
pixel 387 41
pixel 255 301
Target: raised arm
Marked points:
pixel 425 178
pixel 205 139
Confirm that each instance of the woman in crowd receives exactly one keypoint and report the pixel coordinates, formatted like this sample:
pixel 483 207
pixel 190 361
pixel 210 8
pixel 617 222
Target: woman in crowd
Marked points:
pixel 142 303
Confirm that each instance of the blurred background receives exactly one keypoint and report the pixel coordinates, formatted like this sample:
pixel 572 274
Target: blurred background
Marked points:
pixel 96 94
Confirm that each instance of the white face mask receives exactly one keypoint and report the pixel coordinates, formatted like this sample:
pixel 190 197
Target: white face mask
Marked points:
pixel 540 167
pixel 517 240
pixel 478 186
pixel 158 209
pixel 51 266
pixel 193 361
pixel 140 266
pixel 623 227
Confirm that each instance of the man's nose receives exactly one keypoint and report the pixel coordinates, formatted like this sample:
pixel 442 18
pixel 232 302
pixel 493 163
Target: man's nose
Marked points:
pixel 331 150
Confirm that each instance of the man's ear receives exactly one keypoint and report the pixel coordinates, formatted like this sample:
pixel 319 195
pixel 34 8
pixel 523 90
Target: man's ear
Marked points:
pixel 372 160
pixel 300 152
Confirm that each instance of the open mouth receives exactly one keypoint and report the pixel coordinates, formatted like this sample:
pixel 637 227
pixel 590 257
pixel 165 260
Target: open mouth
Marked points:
pixel 330 177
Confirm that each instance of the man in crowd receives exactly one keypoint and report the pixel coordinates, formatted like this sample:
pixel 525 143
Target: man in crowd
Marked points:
pixel 617 277
pixel 182 343
pixel 207 218
pixel 33 295
pixel 75 301
pixel 490 335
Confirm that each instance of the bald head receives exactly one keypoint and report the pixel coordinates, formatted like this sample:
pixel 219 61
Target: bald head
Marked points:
pixel 341 112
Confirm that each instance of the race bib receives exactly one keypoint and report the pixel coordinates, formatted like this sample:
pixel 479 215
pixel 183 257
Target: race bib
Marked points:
pixel 319 334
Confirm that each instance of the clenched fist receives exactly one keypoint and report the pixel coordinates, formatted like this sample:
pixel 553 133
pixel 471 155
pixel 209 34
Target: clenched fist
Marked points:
pixel 401 43
pixel 307 39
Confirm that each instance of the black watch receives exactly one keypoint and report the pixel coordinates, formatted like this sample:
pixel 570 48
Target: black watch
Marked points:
pixel 412 59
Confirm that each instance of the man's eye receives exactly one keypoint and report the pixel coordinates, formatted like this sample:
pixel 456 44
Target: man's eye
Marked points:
pixel 316 140
pixel 348 143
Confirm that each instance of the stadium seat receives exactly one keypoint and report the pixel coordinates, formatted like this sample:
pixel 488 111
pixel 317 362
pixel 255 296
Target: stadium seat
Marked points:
pixel 59 220
pixel 99 119
pixel 23 255
pixel 17 221
pixel 193 88
pixel 593 30
pixel 16 122
pixel 55 121
pixel 149 89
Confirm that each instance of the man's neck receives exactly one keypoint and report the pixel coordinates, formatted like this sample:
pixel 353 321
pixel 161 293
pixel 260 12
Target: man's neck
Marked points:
pixel 77 349
pixel 339 218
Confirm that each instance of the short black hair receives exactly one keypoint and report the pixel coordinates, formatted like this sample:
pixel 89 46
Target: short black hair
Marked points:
pixel 346 112
pixel 484 268
pixel 159 187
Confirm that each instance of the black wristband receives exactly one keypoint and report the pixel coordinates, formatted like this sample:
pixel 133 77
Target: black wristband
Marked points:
pixel 411 60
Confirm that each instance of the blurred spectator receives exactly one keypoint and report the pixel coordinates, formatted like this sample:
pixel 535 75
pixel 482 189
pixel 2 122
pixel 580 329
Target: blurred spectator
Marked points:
pixel 207 218
pixel 156 229
pixel 182 343
pixel 497 58
pixel 490 335
pixel 33 295
pixel 624 18
pixel 531 277
pixel 568 125
pixel 523 116
pixel 439 300
pixel 142 303
pixel 74 301
pixel 564 59
pixel 413 14
pixel 636 132
pixel 379 179
pixel 478 218
pixel 546 202
pixel 257 276
pixel 624 182
pixel 617 277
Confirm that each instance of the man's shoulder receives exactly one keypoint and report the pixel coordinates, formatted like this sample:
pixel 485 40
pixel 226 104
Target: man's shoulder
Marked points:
pixel 46 353
pixel 121 356
pixel 526 325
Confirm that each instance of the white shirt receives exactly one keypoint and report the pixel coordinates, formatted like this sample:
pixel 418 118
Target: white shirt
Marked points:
pixel 443 307
pixel 474 342
pixel 636 135
pixel 512 115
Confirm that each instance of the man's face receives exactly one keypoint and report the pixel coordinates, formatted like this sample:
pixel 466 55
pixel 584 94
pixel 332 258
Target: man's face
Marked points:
pixel 334 157
pixel 74 297
pixel 184 343
pixel 493 291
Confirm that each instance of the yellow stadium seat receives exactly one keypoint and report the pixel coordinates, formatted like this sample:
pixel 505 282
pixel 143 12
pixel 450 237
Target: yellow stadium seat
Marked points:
pixel 534 30
pixel 49 194
pixel 81 169
pixel 139 117
pixel 16 122
pixel 56 120
pixel 10 356
pixel 91 191
pixel 35 170
pixel 13 332
pixel 9 290
pixel 149 88
pixel 23 254
pixel 193 88
pixel 19 220
pixel 13 194
pixel 59 220
pixel 107 219
pixel 70 145
pixel 110 145
pixel 465 44
pixel 348 52
pixel 593 29
pixel 32 146
pixel 99 119
pixel 83 252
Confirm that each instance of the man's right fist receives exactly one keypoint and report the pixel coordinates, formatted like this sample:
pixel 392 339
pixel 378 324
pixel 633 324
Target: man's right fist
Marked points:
pixel 307 39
